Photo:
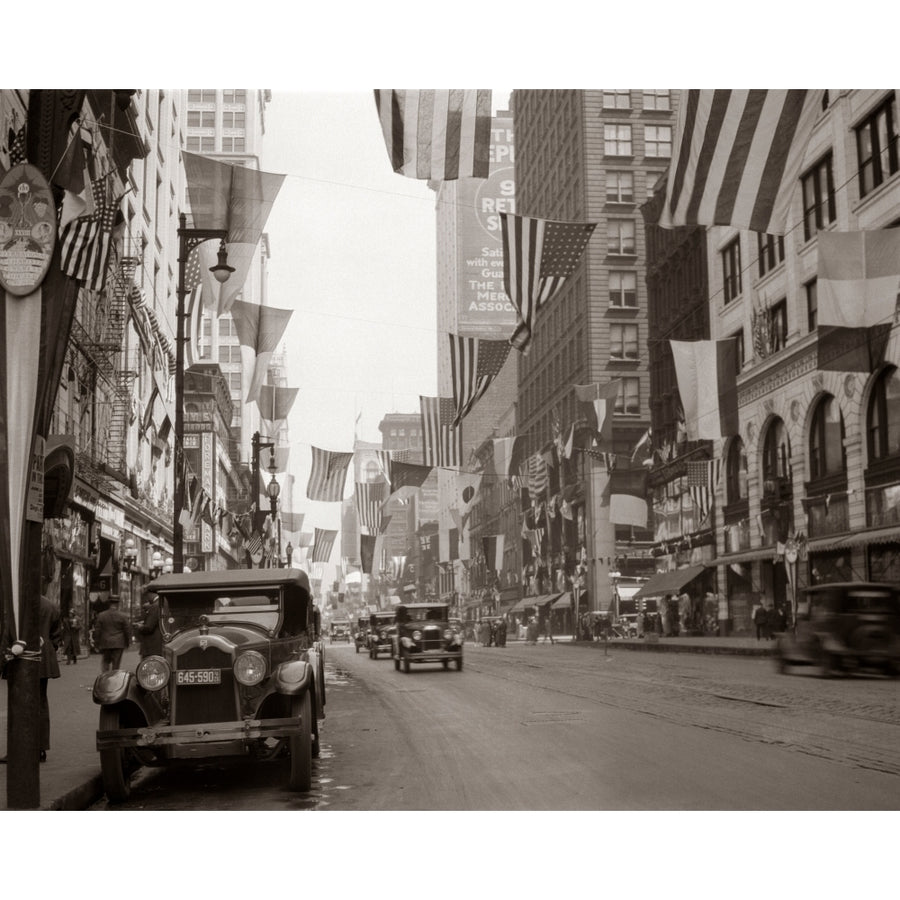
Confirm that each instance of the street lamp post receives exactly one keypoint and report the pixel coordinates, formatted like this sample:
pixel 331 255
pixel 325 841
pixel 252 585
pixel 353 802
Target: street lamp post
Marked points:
pixel 188 239
pixel 791 554
pixel 273 489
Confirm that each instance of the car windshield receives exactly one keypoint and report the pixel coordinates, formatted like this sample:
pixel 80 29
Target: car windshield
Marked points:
pixel 422 614
pixel 184 610
pixel 871 602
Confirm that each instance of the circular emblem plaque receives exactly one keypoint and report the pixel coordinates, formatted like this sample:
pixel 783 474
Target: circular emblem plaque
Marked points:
pixel 27 229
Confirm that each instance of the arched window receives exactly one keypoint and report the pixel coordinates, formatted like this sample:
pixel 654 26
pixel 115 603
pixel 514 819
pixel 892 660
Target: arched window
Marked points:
pixel 776 458
pixel 826 440
pixel 884 416
pixel 736 472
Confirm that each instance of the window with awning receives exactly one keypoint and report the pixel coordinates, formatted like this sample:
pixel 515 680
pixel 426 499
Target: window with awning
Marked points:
pixel 669 582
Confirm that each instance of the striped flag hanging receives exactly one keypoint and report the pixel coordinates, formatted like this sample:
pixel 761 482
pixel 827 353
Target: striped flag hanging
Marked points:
pixel 538 475
pixel 538 257
pixel 474 364
pixel 193 283
pixel 441 442
pixel 702 480
pixel 327 475
pixel 437 135
pixel 369 502
pixel 736 158
pixel 596 404
pixel 323 544
pixel 86 244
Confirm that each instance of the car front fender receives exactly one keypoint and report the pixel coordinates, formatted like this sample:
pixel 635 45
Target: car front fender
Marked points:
pixel 293 677
pixel 112 687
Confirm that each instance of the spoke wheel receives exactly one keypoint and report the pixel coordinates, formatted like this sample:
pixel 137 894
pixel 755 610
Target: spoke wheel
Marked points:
pixel 116 778
pixel 301 745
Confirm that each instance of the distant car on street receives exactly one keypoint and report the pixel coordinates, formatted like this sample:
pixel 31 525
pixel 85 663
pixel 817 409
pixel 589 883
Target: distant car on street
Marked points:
pixel 361 634
pixel 844 627
pixel 424 635
pixel 340 631
pixel 242 674
pixel 381 632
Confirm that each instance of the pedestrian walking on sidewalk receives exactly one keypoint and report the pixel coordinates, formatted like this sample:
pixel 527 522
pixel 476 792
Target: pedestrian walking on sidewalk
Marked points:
pixel 760 618
pixel 149 635
pixel 112 634
pixel 50 630
pixel 72 637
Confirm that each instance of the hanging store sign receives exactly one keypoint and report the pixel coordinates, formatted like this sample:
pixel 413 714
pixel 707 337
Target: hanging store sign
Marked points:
pixel 27 229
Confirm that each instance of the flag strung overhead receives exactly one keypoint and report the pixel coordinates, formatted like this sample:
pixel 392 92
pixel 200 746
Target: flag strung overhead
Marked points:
pixel 505 461
pixel 323 543
pixel 86 244
pixel 707 384
pixel 193 284
pixel 405 474
pixel 736 158
pixel 230 198
pixel 628 493
pixel 596 404
pixel 474 364
pixel 370 498
pixel 260 328
pixel 441 442
pixel 857 284
pixel 275 402
pixel 538 257
pixel 437 135
pixel 328 474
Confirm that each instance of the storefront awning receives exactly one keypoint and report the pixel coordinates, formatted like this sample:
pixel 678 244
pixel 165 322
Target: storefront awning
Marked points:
pixel 534 602
pixel 872 536
pixel 669 582
pixel 563 601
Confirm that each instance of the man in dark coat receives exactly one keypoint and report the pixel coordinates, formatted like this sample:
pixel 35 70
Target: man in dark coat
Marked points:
pixel 112 634
pixel 50 630
pixel 149 635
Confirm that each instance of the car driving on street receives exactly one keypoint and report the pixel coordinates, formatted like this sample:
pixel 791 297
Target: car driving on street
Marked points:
pixel 842 627
pixel 381 632
pixel 424 635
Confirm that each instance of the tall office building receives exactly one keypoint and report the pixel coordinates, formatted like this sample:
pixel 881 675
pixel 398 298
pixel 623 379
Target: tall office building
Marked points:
pixel 591 157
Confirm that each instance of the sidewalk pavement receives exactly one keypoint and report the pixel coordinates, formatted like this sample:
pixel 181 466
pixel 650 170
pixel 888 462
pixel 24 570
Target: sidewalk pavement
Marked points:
pixel 70 779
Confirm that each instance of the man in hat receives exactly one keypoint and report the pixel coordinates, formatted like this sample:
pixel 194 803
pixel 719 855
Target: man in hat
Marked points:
pixel 112 634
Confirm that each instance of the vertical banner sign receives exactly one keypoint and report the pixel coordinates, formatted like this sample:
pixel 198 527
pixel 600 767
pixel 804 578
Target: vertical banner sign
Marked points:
pixel 34 505
pixel 206 479
pixel 27 239
pixel 484 309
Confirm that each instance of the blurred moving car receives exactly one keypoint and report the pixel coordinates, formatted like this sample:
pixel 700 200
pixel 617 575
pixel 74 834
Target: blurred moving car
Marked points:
pixel 381 633
pixel 340 631
pixel 242 675
pixel 843 627
pixel 424 635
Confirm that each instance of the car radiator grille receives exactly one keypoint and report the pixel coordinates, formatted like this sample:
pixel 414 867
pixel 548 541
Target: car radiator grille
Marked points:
pixel 432 639
pixel 197 703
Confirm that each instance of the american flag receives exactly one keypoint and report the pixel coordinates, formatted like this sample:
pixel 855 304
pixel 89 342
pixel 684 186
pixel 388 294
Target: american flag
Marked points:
pixel 474 364
pixel 87 242
pixel 193 308
pixel 437 135
pixel 538 257
pixel 328 474
pixel 369 501
pixel 702 479
pixel 17 147
pixel 254 546
pixel 323 545
pixel 538 474
pixel 441 442
pixel 736 157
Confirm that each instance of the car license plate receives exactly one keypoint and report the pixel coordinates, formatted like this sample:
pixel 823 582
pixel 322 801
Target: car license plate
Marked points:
pixel 198 676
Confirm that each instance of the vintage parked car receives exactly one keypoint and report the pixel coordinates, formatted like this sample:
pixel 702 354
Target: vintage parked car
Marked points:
pixel 242 675
pixel 843 627
pixel 381 632
pixel 424 635
pixel 340 631
pixel 361 634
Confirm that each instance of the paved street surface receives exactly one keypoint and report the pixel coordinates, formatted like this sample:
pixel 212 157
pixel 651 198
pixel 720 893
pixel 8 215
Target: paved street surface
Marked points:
pixel 576 727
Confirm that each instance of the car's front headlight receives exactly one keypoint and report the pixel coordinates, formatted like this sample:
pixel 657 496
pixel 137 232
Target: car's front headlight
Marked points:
pixel 153 673
pixel 250 668
pixel 417 635
pixel 448 634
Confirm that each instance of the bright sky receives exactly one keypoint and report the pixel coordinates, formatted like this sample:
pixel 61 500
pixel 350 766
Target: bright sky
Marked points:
pixel 353 253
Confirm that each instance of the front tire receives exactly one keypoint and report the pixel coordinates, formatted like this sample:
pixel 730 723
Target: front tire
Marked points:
pixel 396 663
pixel 459 664
pixel 406 665
pixel 116 779
pixel 301 745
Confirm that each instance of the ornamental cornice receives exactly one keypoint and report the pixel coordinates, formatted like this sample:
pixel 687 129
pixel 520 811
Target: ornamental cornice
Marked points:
pixel 772 378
